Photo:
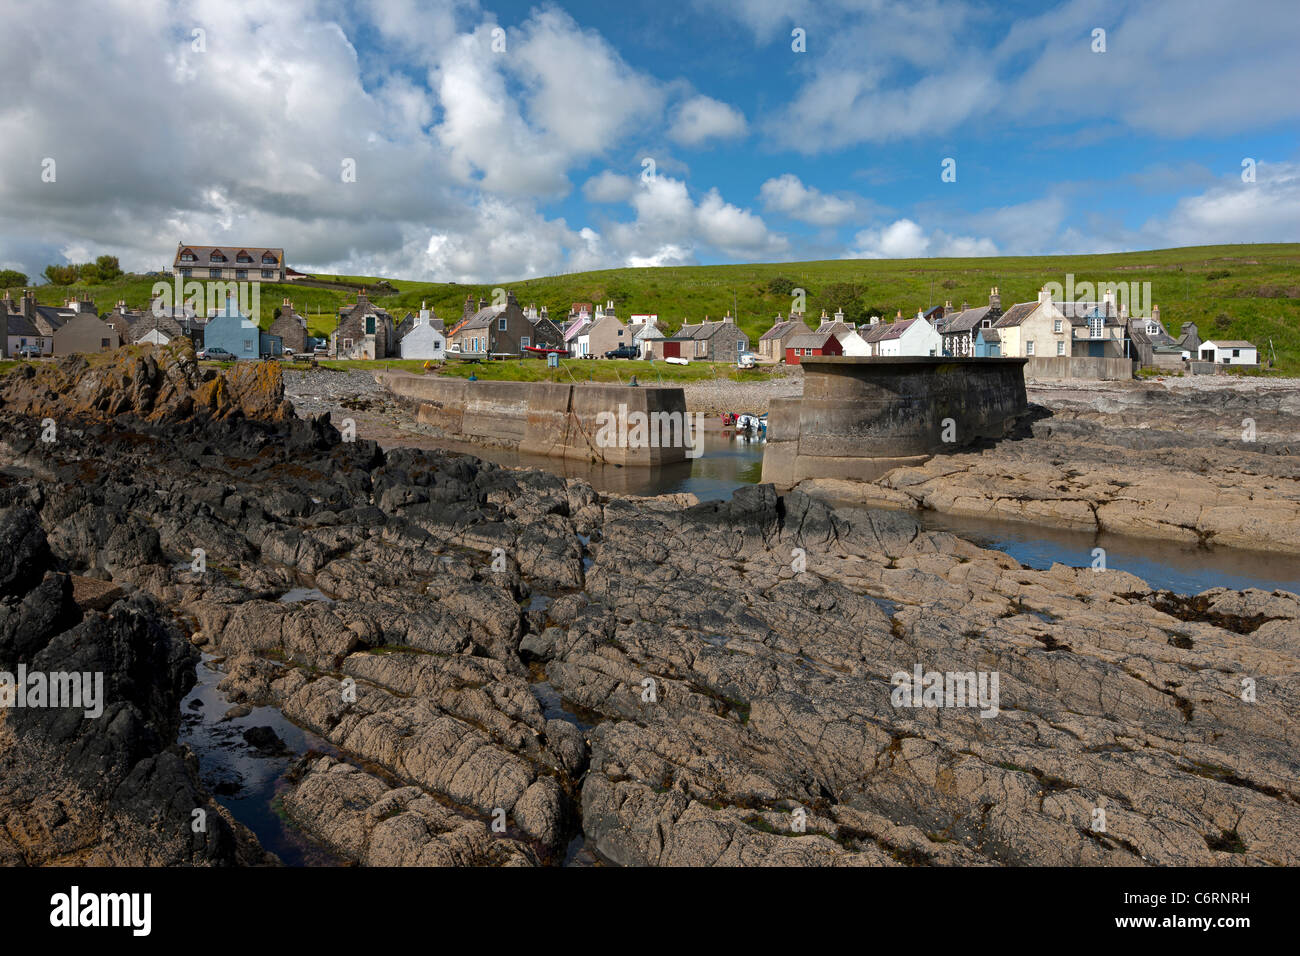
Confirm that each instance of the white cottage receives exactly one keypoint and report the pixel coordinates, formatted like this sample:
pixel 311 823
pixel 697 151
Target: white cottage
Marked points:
pixel 1229 353
pixel 425 340
pixel 905 337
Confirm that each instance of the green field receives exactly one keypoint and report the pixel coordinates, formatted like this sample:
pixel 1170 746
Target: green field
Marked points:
pixel 1231 292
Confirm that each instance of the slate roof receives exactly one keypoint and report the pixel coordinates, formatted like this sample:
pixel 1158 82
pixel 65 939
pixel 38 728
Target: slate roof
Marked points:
pixel 481 319
pixel 1079 312
pixel 780 329
pixel 965 321
pixel 202 255
pixel 576 328
pixel 809 340
pixel 990 334
pixel 894 329
pixel 163 323
pixel 19 324
pixel 1016 315
pixel 874 333
pixel 1234 344
pixel 703 330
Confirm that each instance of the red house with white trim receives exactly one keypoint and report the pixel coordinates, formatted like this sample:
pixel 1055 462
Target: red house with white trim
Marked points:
pixel 811 343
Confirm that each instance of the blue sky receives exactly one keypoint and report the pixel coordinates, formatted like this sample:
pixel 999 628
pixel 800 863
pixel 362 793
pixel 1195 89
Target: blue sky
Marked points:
pixel 477 163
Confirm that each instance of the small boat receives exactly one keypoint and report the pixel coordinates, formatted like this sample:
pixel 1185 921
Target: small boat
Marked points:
pixel 544 350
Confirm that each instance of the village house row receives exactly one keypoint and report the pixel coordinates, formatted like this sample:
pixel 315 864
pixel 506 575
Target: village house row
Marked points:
pixel 1083 333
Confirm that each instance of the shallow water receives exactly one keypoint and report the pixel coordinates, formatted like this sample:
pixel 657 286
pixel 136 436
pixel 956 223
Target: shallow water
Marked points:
pixel 730 462
pixel 243 779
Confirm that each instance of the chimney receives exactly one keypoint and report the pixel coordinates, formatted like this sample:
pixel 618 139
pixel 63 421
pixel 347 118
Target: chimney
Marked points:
pixel 469 307
pixel 899 315
pixel 875 320
pixel 1108 299
pixel 544 315
pixel 286 305
pixel 1155 313
pixel 995 300
pixel 482 303
pixel 839 315
pixel 964 306
pixel 729 319
pixel 947 307
pixel 1044 296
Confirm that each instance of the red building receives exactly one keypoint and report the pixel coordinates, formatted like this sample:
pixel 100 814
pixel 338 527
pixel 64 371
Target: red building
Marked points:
pixel 811 343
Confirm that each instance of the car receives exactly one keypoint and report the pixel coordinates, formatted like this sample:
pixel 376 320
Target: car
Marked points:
pixel 29 351
pixel 623 352
pixel 321 349
pixel 288 351
pixel 215 353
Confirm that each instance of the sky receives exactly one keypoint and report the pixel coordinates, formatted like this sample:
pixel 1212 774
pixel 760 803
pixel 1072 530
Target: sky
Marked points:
pixel 490 142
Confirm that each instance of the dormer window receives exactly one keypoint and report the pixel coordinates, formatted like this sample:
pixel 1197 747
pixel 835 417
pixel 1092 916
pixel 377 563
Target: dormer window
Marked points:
pixel 243 257
pixel 217 257
pixel 268 259
pixel 986 324
pixel 187 256
pixel 1153 328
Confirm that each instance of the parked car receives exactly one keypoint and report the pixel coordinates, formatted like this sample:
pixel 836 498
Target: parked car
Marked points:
pixel 623 352
pixel 215 353
pixel 29 351
pixel 288 351
pixel 321 349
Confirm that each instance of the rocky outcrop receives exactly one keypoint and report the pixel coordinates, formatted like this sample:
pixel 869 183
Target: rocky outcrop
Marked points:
pixel 505 665
pixel 143 381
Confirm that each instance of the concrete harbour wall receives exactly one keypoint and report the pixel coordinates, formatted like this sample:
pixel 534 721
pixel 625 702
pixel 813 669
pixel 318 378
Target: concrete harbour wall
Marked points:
pixel 1053 368
pixel 551 419
pixel 862 417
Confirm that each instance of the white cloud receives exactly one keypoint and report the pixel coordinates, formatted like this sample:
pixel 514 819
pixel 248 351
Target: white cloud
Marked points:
pixel 905 239
pixel 787 194
pixel 609 187
pixel 703 118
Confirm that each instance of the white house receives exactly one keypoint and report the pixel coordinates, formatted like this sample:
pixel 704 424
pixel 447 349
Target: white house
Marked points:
pixel 1229 353
pixel 851 342
pixel 905 337
pixel 425 340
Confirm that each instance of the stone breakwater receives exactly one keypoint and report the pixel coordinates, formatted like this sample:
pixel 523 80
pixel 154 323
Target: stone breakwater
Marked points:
pixel 860 418
pixel 671 683
pixel 1202 467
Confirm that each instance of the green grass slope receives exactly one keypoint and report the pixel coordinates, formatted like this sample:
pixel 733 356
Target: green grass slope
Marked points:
pixel 1236 292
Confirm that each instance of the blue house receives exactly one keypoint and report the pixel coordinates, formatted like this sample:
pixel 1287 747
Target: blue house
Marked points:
pixel 988 343
pixel 239 335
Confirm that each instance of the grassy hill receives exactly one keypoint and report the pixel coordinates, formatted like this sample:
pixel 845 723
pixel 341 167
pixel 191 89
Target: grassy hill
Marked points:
pixel 1237 292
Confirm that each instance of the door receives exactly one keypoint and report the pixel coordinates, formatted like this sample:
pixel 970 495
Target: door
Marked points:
pixel 672 350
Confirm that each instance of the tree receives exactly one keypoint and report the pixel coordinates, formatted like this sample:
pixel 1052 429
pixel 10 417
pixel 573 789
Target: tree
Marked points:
pixel 11 278
pixel 109 268
pixel 61 275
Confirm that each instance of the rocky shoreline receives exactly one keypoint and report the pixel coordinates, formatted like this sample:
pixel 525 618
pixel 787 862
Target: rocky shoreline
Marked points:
pixel 1210 467
pixel 508 662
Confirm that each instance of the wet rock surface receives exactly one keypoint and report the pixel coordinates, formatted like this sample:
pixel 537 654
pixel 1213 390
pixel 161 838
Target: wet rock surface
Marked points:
pixel 506 662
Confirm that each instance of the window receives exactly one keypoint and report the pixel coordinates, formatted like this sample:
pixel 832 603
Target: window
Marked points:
pixel 740 346
pixel 268 259
pixel 1056 325
pixel 216 257
pixel 1096 326
pixel 347 343
pixel 1153 328
pixel 370 325
pixel 1029 347
pixel 186 273
pixel 103 344
pixel 248 345
pixel 1236 353
pixel 187 257
pixel 524 342
pixel 241 273
pixel 268 273
pixel 243 257
pixel 1060 348
pixel 501 324
pixel 214 273
pixel 986 324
